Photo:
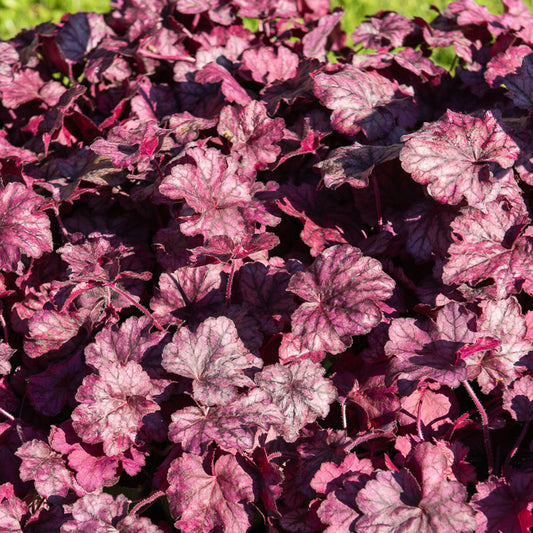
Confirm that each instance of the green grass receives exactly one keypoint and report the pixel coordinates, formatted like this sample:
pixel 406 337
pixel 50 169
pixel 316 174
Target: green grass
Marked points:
pixel 18 14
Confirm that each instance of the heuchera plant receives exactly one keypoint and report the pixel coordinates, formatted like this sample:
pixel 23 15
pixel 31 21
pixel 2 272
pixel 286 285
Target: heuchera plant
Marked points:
pixel 260 280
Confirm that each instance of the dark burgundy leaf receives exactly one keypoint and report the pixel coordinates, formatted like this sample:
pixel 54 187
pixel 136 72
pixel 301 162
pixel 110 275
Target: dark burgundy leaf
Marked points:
pixel 504 504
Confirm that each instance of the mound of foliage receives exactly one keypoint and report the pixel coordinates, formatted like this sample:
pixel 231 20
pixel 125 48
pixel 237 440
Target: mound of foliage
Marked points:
pixel 258 280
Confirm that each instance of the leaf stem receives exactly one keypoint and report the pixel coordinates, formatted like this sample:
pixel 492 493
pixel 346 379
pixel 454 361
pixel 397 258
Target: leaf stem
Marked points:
pixel 230 283
pixel 147 501
pixel 525 427
pixel 484 423
pixel 378 202
pixel 137 305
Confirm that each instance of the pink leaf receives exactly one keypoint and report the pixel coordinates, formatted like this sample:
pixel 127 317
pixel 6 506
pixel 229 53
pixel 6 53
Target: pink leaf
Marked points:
pixel 459 156
pixel 204 501
pixel 343 291
pixel 113 405
pixel 214 357
pixel 214 188
pixel 45 467
pixel 301 392
pixel 23 228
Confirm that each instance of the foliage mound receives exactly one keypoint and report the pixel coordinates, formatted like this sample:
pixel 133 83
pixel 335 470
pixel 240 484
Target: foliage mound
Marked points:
pixel 256 278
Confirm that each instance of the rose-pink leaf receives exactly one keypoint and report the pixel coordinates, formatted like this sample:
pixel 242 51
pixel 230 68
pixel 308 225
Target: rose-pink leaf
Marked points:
pixel 459 156
pixel 343 291
pixel 205 502
pixel 214 357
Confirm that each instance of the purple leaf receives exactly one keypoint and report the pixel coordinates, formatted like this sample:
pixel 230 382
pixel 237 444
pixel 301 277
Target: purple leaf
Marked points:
pixel 214 357
pixel 23 228
pixel 301 392
pixel 203 501
pixel 518 84
pixel 112 406
pixel 504 504
pixel 81 33
pixel 459 156
pixel 343 291
pixel 50 390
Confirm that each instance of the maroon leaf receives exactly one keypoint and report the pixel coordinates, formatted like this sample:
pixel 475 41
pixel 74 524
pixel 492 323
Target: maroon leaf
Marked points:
pixel 459 156
pixel 113 405
pixel 518 84
pixel 214 357
pixel 50 390
pixel 204 501
pixel 343 291
pixel 80 34
pixel 301 392
pixel 504 504
pixel 23 229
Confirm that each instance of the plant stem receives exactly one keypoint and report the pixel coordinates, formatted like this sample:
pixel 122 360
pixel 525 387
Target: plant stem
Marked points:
pixel 137 305
pixel 147 501
pixel 517 443
pixel 484 423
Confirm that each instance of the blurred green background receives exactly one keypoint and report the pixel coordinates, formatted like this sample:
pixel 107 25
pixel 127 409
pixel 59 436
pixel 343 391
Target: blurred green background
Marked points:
pixel 18 14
